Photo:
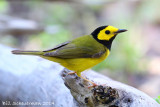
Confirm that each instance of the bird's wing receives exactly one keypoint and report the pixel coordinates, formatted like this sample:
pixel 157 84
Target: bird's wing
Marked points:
pixel 79 49
pixel 75 52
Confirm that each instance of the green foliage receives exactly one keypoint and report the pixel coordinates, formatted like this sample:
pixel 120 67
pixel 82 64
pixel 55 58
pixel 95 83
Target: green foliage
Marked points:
pixel 3 5
pixel 158 99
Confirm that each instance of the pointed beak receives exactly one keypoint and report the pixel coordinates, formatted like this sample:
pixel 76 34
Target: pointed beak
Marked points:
pixel 121 30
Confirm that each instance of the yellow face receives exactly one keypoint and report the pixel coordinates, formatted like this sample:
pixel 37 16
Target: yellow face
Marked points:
pixel 107 33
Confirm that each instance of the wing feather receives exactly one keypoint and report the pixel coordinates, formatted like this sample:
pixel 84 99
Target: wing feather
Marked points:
pixel 80 48
pixel 74 52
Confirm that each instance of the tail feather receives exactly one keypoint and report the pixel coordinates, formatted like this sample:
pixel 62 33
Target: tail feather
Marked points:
pixel 27 52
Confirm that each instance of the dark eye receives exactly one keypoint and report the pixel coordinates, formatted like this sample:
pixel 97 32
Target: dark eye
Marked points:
pixel 107 32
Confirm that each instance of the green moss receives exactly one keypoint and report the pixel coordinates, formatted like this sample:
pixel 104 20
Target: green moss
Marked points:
pixel 158 99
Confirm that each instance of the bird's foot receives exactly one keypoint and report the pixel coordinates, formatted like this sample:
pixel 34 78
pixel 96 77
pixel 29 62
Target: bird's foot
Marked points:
pixel 93 84
pixel 70 73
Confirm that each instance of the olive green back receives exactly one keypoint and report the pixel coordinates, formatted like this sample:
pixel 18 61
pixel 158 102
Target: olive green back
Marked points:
pixel 82 47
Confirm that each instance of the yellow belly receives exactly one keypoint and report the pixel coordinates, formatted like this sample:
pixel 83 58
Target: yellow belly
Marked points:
pixel 78 64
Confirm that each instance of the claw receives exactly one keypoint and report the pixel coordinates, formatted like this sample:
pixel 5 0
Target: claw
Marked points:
pixel 93 84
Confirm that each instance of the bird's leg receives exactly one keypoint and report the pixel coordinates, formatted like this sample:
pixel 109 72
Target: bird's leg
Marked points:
pixel 93 84
pixel 70 73
pixel 83 77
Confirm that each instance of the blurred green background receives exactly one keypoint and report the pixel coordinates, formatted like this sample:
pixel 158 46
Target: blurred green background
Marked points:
pixel 135 55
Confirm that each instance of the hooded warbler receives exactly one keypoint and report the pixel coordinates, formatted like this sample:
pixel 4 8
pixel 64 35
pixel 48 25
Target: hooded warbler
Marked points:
pixel 83 52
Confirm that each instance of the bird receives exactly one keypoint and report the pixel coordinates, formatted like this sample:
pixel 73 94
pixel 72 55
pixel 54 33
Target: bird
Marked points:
pixel 80 53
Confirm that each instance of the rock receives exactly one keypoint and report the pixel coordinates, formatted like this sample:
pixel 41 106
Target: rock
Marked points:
pixel 107 93
pixel 30 79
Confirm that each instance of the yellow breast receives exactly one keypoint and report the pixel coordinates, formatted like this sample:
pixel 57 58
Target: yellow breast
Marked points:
pixel 79 64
